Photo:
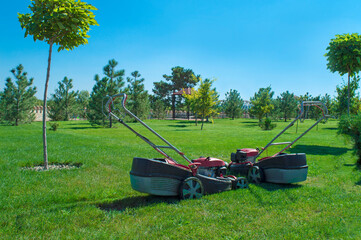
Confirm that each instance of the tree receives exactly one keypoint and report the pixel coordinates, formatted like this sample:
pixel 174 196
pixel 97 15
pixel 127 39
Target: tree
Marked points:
pixel 63 102
pixel 345 92
pixel 179 79
pixel 193 102
pixel 344 56
pixel 233 104
pixel 138 100
pixel 158 108
pixel 207 99
pixel 350 126
pixel 262 103
pixel 18 100
pixel 287 104
pixel 82 102
pixel 61 22
pixel 109 85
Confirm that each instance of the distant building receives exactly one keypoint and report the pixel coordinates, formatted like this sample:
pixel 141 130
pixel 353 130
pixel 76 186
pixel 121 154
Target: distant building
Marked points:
pixel 38 111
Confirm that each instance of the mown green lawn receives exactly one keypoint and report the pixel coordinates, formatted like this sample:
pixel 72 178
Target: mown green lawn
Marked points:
pixel 96 200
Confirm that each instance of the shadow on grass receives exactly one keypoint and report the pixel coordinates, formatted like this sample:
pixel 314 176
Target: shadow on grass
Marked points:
pixel 330 128
pixel 136 202
pixel 178 126
pixel 318 150
pixel 275 187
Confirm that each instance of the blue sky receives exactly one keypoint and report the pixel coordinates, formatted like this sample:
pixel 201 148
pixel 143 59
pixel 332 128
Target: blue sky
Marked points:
pixel 245 45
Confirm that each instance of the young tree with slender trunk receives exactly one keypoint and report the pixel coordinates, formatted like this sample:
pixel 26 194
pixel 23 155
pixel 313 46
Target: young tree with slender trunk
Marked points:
pixel 262 103
pixel 208 99
pixel 18 100
pixel 344 56
pixel 61 22
pixel 287 104
pixel 63 101
pixel 233 104
pixel 138 100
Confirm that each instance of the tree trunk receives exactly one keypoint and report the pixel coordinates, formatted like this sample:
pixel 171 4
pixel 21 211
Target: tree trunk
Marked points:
pixel 110 121
pixel 173 106
pixel 45 107
pixel 188 110
pixel 202 121
pixel 348 94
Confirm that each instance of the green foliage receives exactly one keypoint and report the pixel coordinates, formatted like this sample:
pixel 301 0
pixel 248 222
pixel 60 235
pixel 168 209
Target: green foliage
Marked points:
pixel 233 103
pixel 351 126
pixel 109 85
pixel 340 105
pixel 158 109
pixel 204 101
pixel 17 101
pixel 344 54
pixel 287 105
pixel 63 102
pixel 179 79
pixel 262 103
pixel 61 22
pixel 266 124
pixel 54 126
pixel 82 102
pixel 138 100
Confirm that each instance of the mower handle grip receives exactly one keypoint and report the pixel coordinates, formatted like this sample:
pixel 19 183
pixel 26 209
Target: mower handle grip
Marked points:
pixel 112 98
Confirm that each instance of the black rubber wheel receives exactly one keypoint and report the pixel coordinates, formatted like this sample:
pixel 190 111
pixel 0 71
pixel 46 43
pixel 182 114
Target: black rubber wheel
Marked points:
pixel 239 183
pixel 191 188
pixel 255 175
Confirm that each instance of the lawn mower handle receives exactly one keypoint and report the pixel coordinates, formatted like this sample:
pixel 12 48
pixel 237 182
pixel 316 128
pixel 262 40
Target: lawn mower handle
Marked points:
pixel 156 147
pixel 112 98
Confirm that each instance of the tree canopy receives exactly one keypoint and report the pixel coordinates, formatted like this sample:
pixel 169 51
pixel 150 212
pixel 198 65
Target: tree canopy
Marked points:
pixel 179 79
pixel 233 104
pixel 344 56
pixel 262 103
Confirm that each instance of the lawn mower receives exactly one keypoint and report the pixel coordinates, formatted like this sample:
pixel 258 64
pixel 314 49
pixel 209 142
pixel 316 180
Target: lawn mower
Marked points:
pixel 280 167
pixel 165 176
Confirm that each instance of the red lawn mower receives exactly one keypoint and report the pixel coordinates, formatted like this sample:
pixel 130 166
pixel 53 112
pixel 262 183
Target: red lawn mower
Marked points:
pixel 165 176
pixel 280 167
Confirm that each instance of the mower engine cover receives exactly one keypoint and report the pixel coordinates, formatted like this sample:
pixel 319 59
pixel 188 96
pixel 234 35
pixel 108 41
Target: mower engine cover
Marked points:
pixel 244 155
pixel 211 167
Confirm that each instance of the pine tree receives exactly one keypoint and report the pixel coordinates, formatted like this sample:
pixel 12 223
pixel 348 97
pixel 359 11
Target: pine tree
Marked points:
pixel 287 104
pixel 109 85
pixel 18 98
pixel 82 103
pixel 138 100
pixel 233 104
pixel 63 102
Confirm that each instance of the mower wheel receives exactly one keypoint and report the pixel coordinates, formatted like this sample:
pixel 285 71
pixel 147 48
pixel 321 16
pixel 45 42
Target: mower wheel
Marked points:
pixel 191 188
pixel 255 175
pixel 240 182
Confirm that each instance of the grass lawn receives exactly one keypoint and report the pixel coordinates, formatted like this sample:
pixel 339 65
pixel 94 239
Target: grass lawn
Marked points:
pixel 96 200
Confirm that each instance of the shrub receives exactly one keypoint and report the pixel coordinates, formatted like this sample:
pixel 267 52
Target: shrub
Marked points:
pixel 54 126
pixel 350 126
pixel 266 124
